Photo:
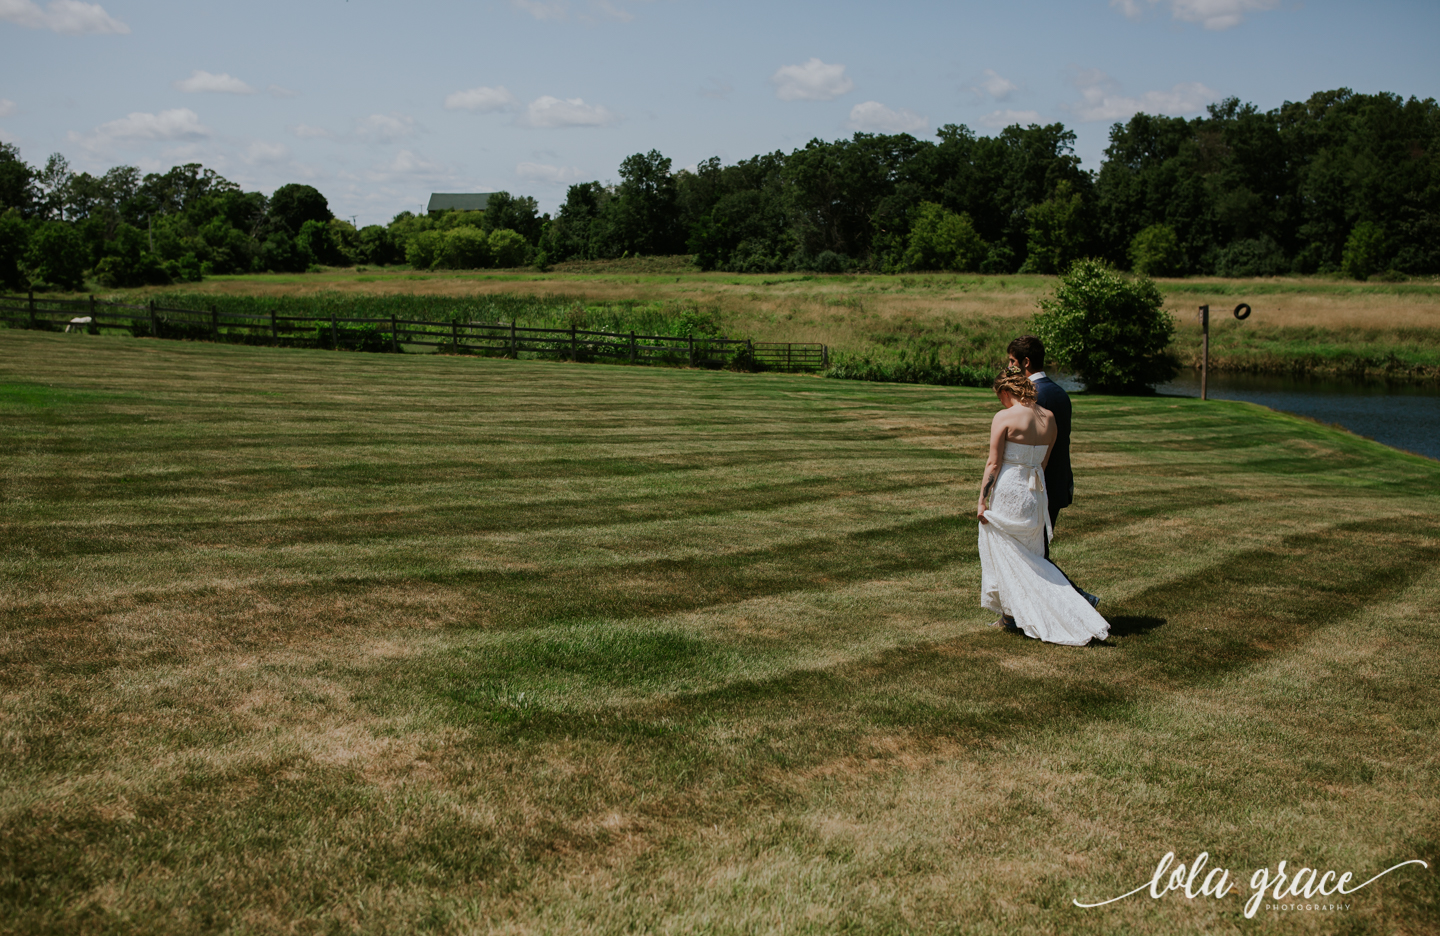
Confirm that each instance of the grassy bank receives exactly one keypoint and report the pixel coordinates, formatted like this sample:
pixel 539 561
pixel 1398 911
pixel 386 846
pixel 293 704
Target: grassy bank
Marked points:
pixel 299 641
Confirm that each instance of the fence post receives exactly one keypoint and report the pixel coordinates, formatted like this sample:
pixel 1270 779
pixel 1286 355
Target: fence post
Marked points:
pixel 574 356
pixel 824 357
pixel 214 323
pixel 632 347
pixel 92 315
pixel 690 340
pixel 514 348
pixel 394 336
pixel 32 309
pixel 334 332
pixel 274 331
pixel 454 337
pixel 154 321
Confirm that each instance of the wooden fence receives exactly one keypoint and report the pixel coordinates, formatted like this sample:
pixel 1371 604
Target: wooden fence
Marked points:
pixel 394 334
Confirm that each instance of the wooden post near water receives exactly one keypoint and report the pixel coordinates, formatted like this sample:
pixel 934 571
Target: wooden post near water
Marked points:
pixel 1204 351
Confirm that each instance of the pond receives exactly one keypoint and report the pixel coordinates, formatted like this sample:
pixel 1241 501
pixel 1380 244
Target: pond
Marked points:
pixel 1399 415
pixel 1404 416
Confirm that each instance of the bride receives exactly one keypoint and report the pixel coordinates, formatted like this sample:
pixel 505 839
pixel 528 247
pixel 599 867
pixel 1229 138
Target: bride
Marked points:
pixel 1017 582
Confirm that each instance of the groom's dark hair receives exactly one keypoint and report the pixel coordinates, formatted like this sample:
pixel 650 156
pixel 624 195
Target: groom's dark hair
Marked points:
pixel 1028 347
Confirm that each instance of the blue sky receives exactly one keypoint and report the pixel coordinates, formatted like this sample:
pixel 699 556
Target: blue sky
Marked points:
pixel 378 104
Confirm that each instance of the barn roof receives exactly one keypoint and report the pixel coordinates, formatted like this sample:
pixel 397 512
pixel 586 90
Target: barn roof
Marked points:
pixel 458 201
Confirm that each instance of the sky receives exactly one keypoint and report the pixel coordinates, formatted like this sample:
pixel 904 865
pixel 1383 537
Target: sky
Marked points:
pixel 378 104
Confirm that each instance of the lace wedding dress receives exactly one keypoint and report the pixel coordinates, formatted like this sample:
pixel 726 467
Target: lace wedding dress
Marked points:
pixel 1015 577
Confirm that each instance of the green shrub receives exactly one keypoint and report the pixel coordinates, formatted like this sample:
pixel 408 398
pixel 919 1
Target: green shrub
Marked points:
pixel 279 254
pixel 507 248
pixel 422 249
pixel 462 248
pixel 56 256
pixel 920 371
pixel 1112 331
pixel 1365 251
pixel 1055 234
pixel 1155 251
pixel 940 239
pixel 143 269
pixel 1259 256
pixel 14 237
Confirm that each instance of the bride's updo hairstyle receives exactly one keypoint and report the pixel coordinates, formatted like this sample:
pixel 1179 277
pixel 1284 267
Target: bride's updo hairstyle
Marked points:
pixel 1014 382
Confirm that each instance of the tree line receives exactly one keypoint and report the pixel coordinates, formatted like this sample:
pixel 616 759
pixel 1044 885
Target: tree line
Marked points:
pixel 1340 183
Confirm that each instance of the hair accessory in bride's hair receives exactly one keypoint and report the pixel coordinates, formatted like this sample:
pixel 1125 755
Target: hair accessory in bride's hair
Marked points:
pixel 1013 381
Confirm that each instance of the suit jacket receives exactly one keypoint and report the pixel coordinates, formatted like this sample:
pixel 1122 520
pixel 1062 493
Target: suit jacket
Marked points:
pixel 1059 479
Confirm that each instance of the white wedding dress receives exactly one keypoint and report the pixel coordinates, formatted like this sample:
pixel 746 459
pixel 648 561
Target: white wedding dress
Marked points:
pixel 1015 577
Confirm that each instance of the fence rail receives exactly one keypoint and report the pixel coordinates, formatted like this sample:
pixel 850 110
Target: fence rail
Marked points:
pixel 392 334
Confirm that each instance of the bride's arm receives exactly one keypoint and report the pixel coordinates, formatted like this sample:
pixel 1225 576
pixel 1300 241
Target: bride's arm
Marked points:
pixel 992 464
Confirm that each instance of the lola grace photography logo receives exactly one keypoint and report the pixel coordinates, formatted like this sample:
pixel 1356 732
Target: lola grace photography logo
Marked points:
pixel 1277 889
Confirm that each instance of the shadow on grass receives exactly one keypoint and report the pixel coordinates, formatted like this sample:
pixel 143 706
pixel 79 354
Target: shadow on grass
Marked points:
pixel 1133 625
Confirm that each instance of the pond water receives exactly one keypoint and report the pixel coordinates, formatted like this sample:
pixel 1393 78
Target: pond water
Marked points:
pixel 1403 416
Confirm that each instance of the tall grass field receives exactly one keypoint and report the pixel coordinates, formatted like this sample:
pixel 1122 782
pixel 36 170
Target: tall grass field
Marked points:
pixel 299 641
pixel 934 322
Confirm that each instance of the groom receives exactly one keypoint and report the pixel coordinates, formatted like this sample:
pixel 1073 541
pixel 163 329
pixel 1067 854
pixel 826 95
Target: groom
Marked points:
pixel 1028 353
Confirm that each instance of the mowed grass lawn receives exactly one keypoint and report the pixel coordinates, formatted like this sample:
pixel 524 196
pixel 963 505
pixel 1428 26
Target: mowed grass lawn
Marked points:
pixel 302 641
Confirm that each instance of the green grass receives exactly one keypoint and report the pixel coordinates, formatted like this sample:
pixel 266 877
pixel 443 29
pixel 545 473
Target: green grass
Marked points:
pixel 306 641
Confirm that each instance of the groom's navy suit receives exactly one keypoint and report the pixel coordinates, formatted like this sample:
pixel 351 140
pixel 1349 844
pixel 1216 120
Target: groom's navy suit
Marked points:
pixel 1059 480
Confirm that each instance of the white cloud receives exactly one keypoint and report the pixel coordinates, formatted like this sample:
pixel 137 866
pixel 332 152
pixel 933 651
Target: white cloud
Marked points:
pixel 482 100
pixel 874 117
pixel 997 87
pixel 260 152
pixel 412 164
pixel 1212 14
pixel 539 172
pixel 386 128
pixel 573 112
pixel 179 124
pixel 278 92
pixel 543 9
pixel 1008 118
pixel 813 81
pixel 203 81
pixel 1101 99
pixel 307 132
pixel 610 11
pixel 7 107
pixel 68 17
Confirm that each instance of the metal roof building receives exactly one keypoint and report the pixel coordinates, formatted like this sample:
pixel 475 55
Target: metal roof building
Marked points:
pixel 442 201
